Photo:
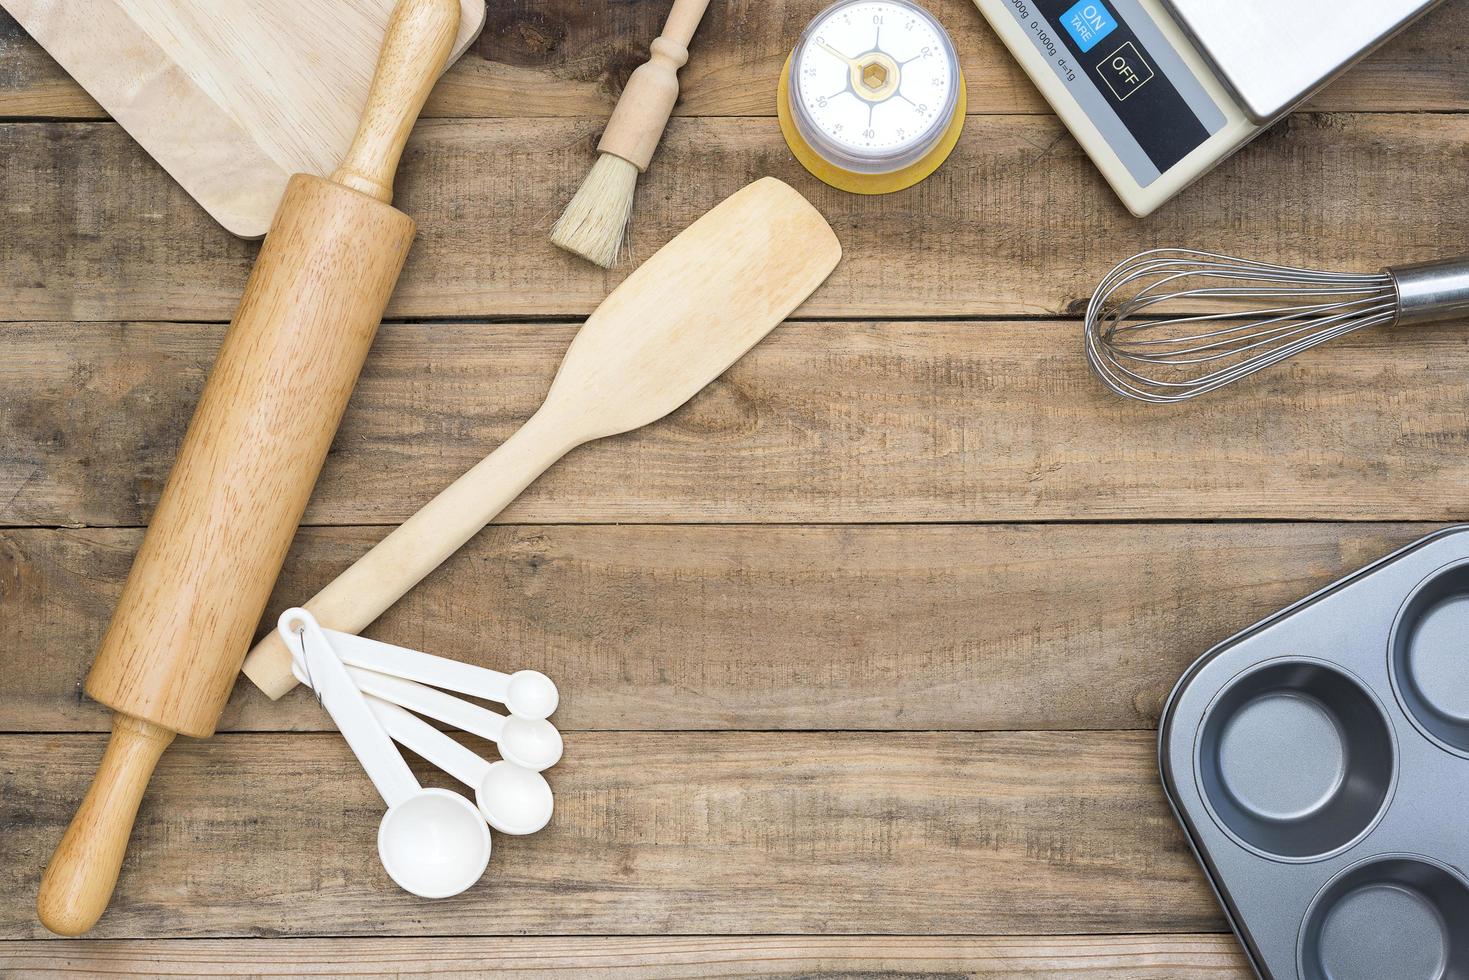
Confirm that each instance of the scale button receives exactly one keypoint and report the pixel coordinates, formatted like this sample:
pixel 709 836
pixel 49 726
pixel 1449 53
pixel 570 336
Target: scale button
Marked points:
pixel 1088 23
pixel 1125 71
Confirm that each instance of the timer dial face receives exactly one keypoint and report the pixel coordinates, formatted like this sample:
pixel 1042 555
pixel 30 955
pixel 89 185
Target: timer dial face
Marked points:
pixel 874 80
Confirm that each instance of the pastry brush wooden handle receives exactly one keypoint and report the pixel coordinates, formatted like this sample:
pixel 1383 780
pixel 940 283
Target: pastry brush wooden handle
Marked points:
pixel 419 39
pixel 682 21
pixel 79 880
pixel 647 100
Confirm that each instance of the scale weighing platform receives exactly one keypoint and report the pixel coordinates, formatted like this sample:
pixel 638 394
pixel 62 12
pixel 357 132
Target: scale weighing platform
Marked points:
pixel 1158 92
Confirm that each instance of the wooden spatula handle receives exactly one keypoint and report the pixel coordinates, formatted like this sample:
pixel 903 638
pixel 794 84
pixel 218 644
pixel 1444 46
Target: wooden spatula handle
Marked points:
pixel 79 880
pixel 425 541
pixel 419 39
pixel 647 100
pixel 673 326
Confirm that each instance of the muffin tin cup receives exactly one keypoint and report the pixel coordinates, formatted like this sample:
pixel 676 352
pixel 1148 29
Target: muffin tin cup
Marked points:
pixel 1319 765
pixel 1296 759
pixel 1428 658
pixel 1403 916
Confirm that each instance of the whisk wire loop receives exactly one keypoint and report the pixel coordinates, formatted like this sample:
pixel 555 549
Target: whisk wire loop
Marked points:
pixel 1171 324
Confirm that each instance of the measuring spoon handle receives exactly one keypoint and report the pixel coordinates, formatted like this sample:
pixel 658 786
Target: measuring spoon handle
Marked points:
pixel 427 701
pixel 414 665
pixel 379 757
pixel 417 735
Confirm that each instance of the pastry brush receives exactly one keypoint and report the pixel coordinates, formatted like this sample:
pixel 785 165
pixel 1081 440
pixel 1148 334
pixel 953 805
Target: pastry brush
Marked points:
pixel 595 221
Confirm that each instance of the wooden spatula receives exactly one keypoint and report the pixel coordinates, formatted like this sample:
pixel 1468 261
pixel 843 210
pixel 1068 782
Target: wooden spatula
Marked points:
pixel 673 326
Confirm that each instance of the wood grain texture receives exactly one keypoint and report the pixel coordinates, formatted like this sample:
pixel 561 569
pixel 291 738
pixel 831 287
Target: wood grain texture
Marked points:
pixel 83 869
pixel 847 622
pixel 33 85
pixel 1016 222
pixel 250 457
pixel 230 507
pixel 255 444
pixel 670 330
pixel 822 422
pixel 649 95
pixel 678 834
pixel 565 58
pixel 904 627
pixel 232 99
pixel 418 46
pixel 556 57
pixel 1162 957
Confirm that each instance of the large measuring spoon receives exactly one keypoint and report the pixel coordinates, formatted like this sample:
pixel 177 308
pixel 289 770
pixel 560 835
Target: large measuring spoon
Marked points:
pixel 432 842
pixel 514 799
pixel 532 743
pixel 525 693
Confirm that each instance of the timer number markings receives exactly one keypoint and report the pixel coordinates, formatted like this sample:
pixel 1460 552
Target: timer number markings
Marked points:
pixel 870 90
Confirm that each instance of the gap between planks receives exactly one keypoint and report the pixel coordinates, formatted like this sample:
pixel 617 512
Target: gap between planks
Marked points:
pixel 565 58
pixel 980 627
pixel 689 833
pixel 1118 957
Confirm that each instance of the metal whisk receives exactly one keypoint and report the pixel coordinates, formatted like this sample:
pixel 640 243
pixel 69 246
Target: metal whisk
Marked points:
pixel 1172 324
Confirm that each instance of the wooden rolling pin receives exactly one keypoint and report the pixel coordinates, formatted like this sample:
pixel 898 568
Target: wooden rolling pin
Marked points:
pixel 249 460
pixel 670 329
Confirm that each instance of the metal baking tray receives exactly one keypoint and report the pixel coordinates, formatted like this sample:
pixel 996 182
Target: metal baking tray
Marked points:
pixel 1319 765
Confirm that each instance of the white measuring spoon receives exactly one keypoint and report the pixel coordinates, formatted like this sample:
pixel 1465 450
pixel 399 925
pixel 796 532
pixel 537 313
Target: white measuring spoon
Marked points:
pixel 525 693
pixel 432 842
pixel 531 743
pixel 515 800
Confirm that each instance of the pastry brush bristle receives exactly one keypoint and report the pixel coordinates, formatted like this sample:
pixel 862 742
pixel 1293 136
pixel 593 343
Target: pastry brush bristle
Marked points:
pixel 593 223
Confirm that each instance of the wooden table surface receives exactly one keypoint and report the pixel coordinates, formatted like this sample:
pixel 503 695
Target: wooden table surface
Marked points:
pixel 861 652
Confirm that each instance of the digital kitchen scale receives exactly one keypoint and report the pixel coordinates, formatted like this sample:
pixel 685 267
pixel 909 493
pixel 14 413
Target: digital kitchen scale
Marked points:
pixel 1158 92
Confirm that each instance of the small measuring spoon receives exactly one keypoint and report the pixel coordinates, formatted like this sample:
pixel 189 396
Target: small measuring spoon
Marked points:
pixel 515 800
pixel 531 743
pixel 525 693
pixel 432 842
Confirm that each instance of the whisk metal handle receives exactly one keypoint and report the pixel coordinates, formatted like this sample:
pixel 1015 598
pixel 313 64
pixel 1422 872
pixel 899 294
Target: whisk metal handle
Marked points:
pixel 1430 292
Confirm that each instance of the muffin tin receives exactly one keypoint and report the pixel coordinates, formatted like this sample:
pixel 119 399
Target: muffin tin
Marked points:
pixel 1319 764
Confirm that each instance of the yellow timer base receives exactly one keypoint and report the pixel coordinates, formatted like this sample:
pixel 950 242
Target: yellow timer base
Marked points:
pixel 871 99
pixel 860 183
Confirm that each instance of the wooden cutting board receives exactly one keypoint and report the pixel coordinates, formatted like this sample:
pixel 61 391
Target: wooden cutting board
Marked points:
pixel 230 96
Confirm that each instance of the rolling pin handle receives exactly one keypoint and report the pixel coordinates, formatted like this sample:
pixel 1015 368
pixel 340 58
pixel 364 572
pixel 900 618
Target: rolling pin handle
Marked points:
pixel 418 43
pixel 79 880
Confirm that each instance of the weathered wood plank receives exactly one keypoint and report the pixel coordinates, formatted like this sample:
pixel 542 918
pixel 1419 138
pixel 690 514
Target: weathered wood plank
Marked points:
pixel 994 958
pixel 669 834
pixel 1018 221
pixel 666 628
pixel 565 58
pixel 33 85
pixel 555 57
pixel 823 422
